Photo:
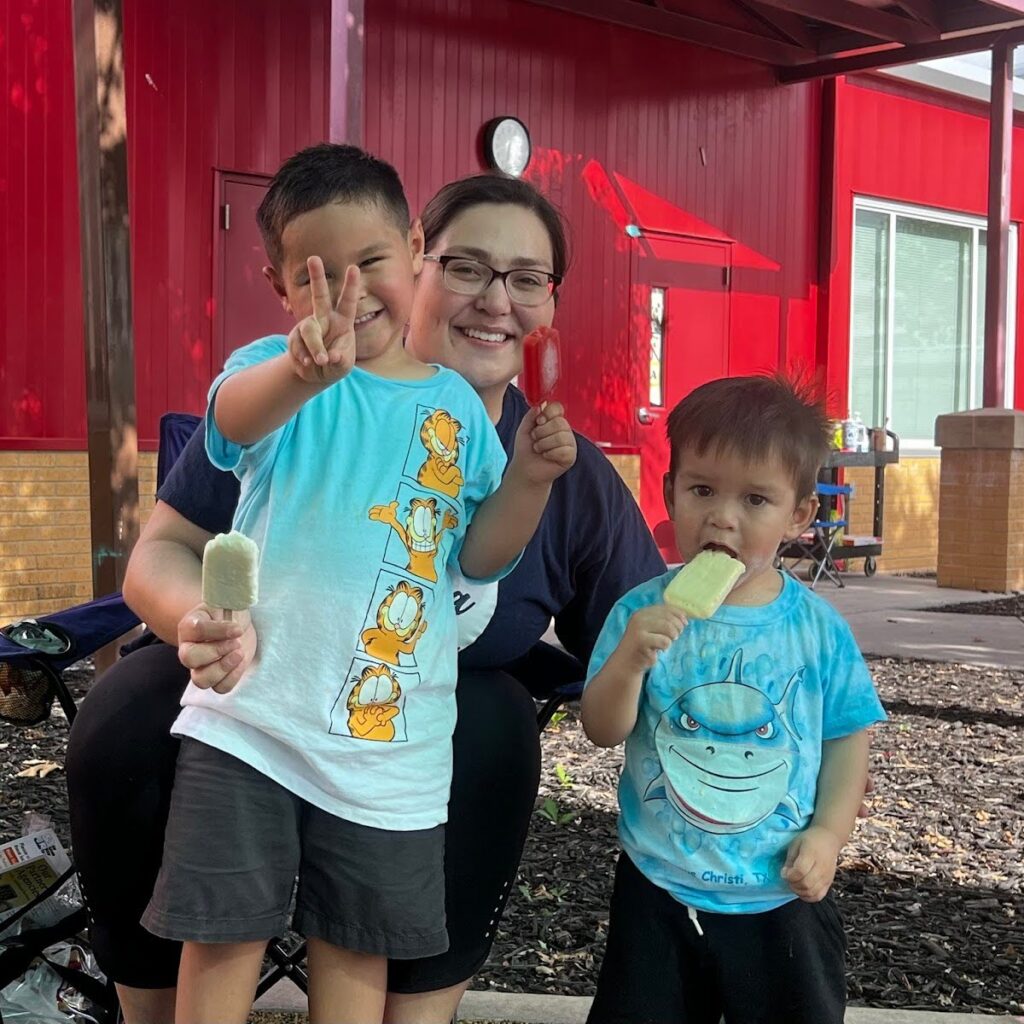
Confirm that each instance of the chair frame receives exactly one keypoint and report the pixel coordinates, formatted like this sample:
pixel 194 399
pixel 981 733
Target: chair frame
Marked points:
pixel 817 547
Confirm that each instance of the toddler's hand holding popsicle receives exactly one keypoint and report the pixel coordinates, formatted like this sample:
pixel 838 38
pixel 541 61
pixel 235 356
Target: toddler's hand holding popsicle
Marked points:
pixel 695 592
pixel 650 631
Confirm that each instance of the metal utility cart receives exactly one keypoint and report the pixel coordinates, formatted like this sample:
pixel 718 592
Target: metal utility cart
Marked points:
pixel 869 550
pixel 820 548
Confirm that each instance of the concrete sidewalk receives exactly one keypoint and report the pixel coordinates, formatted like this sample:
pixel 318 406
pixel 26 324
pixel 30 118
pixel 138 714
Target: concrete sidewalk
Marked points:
pixel 890 616
pixel 531 1009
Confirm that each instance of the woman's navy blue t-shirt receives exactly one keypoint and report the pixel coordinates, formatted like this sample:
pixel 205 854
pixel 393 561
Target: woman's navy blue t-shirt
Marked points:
pixel 592 546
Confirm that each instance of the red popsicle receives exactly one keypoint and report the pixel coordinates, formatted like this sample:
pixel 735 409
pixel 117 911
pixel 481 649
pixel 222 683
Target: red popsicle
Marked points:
pixel 541 365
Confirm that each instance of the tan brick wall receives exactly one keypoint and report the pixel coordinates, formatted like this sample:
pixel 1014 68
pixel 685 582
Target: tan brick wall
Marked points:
pixel 45 561
pixel 910 516
pixel 981 543
pixel 628 467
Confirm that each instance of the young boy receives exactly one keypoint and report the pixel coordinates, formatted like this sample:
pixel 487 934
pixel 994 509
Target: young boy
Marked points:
pixel 365 474
pixel 746 749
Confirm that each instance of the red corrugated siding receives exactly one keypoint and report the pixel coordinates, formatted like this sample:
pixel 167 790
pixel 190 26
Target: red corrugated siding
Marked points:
pixel 641 106
pixel 41 359
pixel 892 143
pixel 230 86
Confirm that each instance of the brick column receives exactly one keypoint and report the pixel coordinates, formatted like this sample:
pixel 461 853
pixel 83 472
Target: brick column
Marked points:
pixel 981 500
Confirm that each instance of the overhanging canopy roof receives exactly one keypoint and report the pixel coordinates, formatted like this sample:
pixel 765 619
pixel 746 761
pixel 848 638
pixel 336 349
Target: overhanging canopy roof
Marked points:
pixel 807 39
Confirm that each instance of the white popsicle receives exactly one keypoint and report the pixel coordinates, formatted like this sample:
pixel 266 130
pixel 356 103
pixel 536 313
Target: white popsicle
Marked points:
pixel 231 572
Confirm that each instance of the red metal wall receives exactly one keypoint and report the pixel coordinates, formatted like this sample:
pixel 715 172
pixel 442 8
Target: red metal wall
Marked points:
pixel 232 85
pixel 640 106
pixel 908 144
pixel 42 395
pixel 235 85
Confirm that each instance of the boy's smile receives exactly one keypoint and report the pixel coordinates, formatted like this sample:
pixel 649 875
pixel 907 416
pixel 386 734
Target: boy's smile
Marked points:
pixel 365 236
pixel 720 501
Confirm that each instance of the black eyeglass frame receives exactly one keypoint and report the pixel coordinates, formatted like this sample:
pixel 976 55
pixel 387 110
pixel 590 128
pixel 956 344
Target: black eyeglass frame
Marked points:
pixel 554 280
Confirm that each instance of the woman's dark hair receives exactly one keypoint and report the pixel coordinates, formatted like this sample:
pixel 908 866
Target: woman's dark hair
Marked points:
pixel 496 189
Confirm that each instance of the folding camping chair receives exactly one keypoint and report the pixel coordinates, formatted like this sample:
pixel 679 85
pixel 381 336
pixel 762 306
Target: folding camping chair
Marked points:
pixel 815 547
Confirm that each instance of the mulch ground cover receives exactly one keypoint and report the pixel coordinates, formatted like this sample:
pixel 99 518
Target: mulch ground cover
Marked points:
pixel 1010 605
pixel 931 886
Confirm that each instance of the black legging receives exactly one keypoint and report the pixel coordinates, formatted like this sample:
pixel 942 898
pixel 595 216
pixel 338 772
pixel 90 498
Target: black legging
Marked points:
pixel 120 770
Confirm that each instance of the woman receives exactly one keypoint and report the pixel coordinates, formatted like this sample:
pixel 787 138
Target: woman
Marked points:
pixel 591 547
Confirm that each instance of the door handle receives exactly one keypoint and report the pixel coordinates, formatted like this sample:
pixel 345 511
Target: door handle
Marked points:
pixel 645 416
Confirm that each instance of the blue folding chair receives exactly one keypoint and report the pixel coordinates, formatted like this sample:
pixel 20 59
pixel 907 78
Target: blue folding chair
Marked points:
pixel 816 546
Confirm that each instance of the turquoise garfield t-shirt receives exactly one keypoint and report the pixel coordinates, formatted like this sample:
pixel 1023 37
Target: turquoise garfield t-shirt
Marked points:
pixel 721 768
pixel 359 504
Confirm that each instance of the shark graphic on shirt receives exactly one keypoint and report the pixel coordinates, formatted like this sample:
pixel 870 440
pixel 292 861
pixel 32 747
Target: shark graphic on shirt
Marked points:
pixel 728 754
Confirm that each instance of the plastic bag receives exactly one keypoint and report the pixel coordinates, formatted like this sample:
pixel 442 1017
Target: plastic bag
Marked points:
pixel 41 996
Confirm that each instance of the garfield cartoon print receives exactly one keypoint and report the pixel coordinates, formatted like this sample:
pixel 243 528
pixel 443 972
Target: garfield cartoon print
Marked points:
pixel 440 436
pixel 419 532
pixel 371 705
pixel 400 622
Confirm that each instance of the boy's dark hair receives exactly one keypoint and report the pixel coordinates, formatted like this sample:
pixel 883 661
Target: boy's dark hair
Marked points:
pixel 496 189
pixel 328 173
pixel 757 418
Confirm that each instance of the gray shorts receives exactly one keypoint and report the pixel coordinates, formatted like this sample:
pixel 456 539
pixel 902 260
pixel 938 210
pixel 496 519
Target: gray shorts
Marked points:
pixel 236 840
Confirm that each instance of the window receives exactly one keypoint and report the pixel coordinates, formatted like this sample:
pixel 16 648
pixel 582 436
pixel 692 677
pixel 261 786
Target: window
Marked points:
pixel 657 313
pixel 918 316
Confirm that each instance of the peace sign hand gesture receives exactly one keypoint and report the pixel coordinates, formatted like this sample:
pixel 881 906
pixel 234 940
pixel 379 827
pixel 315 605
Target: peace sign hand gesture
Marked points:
pixel 323 346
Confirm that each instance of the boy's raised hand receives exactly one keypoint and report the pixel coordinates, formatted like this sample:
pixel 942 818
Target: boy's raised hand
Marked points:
pixel 545 446
pixel 811 863
pixel 650 631
pixel 323 345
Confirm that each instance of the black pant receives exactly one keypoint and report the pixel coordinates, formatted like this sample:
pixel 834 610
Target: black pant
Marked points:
pixel 785 966
pixel 120 769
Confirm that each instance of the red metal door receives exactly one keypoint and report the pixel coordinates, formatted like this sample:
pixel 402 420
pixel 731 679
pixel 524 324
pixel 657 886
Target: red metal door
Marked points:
pixel 247 307
pixel 680 299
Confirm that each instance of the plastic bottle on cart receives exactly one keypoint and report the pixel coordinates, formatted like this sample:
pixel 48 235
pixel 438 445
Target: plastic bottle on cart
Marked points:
pixel 862 443
pixel 849 435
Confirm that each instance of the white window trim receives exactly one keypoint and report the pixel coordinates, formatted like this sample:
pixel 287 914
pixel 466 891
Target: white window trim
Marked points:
pixel 926 446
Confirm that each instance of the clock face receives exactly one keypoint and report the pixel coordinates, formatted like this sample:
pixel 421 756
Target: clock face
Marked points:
pixel 509 145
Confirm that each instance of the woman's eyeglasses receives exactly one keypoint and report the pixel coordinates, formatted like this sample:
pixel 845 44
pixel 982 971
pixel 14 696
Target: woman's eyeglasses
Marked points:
pixel 524 286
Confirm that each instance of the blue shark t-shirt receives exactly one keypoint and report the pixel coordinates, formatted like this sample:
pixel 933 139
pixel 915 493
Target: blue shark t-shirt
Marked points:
pixel 722 766
pixel 359 504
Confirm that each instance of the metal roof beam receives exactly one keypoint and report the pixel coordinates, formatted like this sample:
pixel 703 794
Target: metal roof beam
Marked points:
pixel 893 56
pixel 924 10
pixel 685 27
pixel 790 26
pixel 866 20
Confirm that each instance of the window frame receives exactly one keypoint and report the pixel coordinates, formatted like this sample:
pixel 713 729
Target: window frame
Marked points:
pixel 892 210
